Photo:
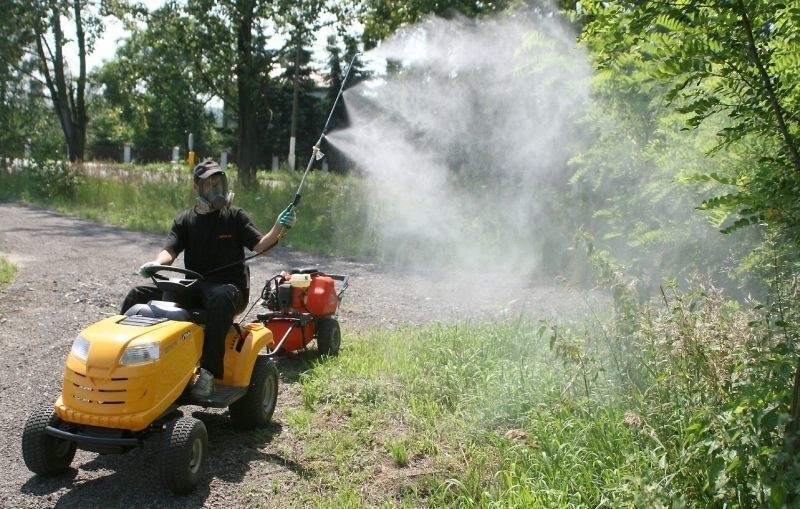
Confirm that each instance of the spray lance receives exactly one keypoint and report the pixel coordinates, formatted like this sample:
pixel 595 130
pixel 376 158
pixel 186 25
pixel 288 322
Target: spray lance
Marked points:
pixel 316 153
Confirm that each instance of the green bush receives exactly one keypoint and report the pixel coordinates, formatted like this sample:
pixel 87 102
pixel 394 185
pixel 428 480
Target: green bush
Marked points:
pixel 53 180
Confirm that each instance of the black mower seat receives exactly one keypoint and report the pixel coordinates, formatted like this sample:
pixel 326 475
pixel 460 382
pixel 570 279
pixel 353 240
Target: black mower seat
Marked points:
pixel 160 309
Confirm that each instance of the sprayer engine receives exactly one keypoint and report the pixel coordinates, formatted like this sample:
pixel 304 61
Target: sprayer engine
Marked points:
pixel 302 291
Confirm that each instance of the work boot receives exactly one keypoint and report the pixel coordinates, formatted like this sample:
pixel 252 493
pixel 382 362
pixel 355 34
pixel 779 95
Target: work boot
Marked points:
pixel 203 386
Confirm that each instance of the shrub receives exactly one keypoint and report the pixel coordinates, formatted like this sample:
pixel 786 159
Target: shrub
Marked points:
pixel 53 180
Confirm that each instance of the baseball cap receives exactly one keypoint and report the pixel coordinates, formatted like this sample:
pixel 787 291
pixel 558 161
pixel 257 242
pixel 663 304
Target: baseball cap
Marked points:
pixel 205 169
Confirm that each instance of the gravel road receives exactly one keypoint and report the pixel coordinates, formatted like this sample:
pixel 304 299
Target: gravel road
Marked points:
pixel 73 272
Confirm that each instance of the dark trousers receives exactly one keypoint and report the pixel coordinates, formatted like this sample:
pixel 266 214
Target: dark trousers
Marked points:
pixel 221 302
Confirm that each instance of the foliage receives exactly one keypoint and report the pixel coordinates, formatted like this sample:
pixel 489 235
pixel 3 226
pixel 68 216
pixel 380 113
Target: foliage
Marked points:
pixel 52 180
pixel 30 128
pixel 736 58
pixel 150 94
pixel 12 48
pixel 627 197
pixel 331 220
pixel 727 68
pixel 382 18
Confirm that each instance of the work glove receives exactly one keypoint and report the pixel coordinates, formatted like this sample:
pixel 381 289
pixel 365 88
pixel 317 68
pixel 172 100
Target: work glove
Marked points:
pixel 144 270
pixel 287 218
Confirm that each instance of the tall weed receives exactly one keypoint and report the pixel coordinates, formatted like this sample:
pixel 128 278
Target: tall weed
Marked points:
pixel 713 388
pixel 7 271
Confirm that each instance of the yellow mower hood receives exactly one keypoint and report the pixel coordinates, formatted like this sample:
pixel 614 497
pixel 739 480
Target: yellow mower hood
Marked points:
pixel 101 391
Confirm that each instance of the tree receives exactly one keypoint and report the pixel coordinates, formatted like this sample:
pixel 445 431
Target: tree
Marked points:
pixel 734 58
pixel 339 63
pixel 301 21
pixel 232 63
pixel 152 88
pixel 67 93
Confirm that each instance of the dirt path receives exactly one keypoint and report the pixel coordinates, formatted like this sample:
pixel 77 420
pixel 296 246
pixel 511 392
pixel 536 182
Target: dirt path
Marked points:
pixel 74 272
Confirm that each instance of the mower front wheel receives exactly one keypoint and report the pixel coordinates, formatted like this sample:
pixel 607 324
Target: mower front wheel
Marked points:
pixel 184 455
pixel 43 453
pixel 255 408
pixel 329 337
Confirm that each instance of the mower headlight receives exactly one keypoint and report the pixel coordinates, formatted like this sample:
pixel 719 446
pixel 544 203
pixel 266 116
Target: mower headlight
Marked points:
pixel 80 348
pixel 140 354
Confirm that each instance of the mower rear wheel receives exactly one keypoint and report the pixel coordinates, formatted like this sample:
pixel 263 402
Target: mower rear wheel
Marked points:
pixel 184 454
pixel 255 408
pixel 329 337
pixel 45 454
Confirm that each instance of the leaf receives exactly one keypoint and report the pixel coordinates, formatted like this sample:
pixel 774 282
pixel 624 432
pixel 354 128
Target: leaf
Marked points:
pixel 733 465
pixel 741 223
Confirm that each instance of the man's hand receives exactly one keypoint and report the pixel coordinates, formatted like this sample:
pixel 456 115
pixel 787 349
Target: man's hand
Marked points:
pixel 144 270
pixel 287 218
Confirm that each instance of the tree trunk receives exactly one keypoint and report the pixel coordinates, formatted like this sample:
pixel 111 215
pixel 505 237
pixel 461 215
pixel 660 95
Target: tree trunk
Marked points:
pixel 79 102
pixel 247 88
pixel 768 87
pixel 295 103
pixel 68 102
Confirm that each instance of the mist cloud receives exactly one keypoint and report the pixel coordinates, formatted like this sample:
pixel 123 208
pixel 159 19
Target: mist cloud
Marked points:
pixel 464 136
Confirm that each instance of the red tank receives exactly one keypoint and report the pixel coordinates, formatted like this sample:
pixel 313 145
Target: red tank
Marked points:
pixel 302 307
pixel 319 298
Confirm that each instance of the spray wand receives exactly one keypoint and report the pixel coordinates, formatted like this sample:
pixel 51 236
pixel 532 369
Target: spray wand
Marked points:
pixel 316 153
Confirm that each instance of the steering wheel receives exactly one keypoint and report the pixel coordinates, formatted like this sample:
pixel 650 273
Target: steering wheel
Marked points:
pixel 156 270
pixel 177 285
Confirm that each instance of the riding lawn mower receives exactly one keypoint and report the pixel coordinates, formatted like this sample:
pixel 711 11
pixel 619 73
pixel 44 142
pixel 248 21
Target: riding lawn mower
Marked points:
pixel 127 376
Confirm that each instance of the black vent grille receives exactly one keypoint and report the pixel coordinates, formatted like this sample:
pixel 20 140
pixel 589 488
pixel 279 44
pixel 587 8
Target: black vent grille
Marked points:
pixel 141 321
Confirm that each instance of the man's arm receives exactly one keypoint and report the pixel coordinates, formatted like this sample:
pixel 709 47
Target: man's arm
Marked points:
pixel 271 239
pixel 286 220
pixel 164 258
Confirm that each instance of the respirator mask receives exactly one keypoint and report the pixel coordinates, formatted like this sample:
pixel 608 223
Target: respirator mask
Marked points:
pixel 212 188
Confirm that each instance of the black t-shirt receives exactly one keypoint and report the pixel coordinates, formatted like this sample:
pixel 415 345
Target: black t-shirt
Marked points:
pixel 214 240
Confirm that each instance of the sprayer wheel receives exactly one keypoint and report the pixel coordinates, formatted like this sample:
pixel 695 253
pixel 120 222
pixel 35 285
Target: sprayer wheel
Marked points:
pixel 329 337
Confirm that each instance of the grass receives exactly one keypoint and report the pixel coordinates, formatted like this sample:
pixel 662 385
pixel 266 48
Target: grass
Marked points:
pixel 7 271
pixel 520 413
pixel 467 416
pixel 331 215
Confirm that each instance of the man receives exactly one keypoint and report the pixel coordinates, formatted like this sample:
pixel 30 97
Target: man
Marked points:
pixel 212 235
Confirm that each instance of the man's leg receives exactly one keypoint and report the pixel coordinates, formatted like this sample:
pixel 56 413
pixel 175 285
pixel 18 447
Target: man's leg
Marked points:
pixel 221 302
pixel 140 295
